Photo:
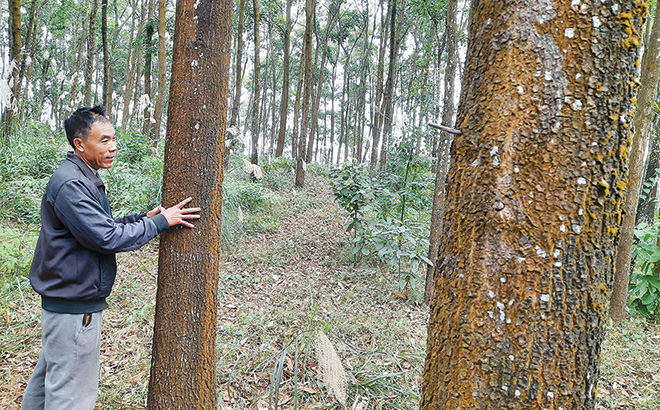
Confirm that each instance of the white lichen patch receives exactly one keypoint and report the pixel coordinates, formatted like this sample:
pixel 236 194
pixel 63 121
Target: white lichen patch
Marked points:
pixel 569 32
pixel 577 105
pixel 581 181
pixel 596 21
pixel 545 297
pixel 540 252
pixel 474 163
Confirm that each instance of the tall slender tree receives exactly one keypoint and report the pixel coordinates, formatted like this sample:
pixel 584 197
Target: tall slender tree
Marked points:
pixel 307 88
pixel 91 52
pixel 443 154
pixel 256 73
pixel 238 72
pixel 284 102
pixel 533 206
pixel 162 71
pixel 183 359
pixel 333 14
pixel 14 61
pixel 641 124
pixel 107 74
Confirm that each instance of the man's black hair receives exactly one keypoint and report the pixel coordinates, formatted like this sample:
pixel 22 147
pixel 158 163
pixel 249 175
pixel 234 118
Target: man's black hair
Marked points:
pixel 79 124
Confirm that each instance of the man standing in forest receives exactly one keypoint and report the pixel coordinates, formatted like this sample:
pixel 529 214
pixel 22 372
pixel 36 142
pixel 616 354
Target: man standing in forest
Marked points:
pixel 74 264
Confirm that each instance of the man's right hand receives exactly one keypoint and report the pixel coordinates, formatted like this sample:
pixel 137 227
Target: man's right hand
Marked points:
pixel 178 215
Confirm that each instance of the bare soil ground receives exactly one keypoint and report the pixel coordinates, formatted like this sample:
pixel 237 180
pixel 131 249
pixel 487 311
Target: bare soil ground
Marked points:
pixel 279 286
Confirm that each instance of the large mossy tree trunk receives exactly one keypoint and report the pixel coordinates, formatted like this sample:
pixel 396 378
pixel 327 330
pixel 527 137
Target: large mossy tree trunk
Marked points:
pixel 183 355
pixel 533 205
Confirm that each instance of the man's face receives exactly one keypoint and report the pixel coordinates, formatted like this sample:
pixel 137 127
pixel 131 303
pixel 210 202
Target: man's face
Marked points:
pixel 100 148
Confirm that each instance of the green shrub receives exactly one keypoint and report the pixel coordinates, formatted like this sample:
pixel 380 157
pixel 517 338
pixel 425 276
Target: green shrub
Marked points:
pixel 645 280
pixel 16 249
pixel 26 163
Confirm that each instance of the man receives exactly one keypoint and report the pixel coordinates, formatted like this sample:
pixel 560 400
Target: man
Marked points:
pixel 74 263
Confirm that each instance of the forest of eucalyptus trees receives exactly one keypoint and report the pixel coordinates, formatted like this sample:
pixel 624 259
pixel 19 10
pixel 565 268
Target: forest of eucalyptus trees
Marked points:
pixel 320 81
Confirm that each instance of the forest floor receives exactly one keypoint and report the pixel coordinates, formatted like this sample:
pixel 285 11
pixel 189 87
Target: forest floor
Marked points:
pixel 279 286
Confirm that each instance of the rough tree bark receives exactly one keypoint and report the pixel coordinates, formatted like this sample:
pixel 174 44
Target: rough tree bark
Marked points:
pixel 183 356
pixel 533 205
pixel 641 124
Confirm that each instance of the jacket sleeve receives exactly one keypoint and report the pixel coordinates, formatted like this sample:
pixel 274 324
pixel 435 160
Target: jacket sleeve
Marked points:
pixel 93 228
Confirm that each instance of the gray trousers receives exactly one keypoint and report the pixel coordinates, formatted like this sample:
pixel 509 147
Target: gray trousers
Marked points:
pixel 67 374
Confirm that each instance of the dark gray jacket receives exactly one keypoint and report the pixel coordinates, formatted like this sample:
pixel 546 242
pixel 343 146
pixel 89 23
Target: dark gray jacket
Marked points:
pixel 74 265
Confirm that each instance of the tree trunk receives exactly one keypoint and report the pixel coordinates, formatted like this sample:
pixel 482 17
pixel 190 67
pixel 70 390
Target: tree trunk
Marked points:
pixel 284 103
pixel 533 206
pixel 647 205
pixel 307 70
pixel 378 116
pixel 183 357
pixel 107 75
pixel 254 158
pixel 128 88
pixel 641 125
pixel 296 117
pixel 15 62
pixel 162 71
pixel 443 155
pixel 27 59
pixel 332 18
pixel 148 53
pixel 388 97
pixel 91 51
pixel 239 60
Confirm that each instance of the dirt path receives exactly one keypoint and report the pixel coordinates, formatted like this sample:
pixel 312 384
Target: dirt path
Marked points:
pixel 278 288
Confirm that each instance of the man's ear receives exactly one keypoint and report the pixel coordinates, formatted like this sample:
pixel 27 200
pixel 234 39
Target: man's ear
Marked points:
pixel 78 144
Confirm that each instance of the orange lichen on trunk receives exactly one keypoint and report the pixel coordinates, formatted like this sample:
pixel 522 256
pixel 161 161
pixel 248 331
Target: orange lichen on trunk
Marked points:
pixel 532 209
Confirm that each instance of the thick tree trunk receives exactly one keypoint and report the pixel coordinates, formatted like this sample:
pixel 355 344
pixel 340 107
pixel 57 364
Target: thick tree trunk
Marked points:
pixel 641 125
pixel 254 158
pixel 442 160
pixel 183 359
pixel 284 103
pixel 307 88
pixel 91 51
pixel 533 206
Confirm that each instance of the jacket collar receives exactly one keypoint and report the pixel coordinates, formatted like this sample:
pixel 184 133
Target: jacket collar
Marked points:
pixel 86 170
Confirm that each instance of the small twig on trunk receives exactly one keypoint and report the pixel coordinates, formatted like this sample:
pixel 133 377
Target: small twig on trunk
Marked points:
pixel 446 129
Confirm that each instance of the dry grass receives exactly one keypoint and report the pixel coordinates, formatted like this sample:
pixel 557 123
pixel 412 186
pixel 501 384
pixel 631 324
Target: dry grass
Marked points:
pixel 278 288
